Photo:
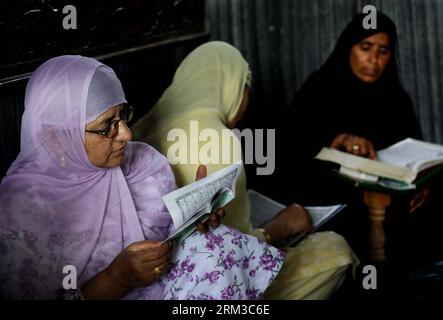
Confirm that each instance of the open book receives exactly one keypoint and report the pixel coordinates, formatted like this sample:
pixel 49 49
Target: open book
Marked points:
pixel 264 209
pixel 193 203
pixel 397 167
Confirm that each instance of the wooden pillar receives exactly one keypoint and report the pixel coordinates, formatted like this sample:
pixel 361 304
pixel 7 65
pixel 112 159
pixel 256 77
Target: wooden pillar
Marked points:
pixel 377 203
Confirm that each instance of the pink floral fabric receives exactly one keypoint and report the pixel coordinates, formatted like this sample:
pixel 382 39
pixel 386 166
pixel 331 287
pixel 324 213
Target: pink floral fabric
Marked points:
pixel 223 264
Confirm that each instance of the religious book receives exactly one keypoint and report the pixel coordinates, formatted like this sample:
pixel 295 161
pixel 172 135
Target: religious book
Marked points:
pixel 194 202
pixel 264 209
pixel 399 166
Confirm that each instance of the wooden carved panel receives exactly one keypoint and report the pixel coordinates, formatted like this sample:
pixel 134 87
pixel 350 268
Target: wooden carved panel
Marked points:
pixel 32 30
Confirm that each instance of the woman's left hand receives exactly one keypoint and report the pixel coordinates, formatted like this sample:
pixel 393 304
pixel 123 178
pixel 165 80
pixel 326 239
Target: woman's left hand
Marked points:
pixel 356 145
pixel 215 217
pixel 420 200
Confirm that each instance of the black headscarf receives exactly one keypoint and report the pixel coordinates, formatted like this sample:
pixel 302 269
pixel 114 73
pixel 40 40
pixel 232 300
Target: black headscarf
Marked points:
pixel 338 65
pixel 333 100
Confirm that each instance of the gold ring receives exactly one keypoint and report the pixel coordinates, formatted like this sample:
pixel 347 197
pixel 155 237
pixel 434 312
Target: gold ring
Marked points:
pixel 157 270
pixel 355 147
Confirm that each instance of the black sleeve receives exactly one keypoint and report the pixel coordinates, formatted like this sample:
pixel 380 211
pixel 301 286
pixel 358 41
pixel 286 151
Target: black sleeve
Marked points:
pixel 400 123
pixel 300 134
pixel 412 126
pixel 306 123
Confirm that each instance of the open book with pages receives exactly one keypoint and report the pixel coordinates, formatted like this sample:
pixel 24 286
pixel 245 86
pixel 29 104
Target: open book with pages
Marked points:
pixel 401 166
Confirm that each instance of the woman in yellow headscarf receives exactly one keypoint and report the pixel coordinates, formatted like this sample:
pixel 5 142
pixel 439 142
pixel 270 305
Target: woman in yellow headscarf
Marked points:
pixel 190 124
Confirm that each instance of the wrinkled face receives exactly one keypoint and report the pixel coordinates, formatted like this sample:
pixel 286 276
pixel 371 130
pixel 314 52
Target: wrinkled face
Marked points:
pixel 370 56
pixel 242 109
pixel 107 152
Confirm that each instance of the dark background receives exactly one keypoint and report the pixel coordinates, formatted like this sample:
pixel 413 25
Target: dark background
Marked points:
pixel 144 41
pixel 283 40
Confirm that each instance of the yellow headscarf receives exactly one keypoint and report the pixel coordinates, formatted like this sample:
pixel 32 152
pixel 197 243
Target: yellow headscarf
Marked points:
pixel 207 87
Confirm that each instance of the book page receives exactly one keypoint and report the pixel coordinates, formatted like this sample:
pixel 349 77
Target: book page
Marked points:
pixel 264 209
pixel 221 199
pixel 358 175
pixel 189 227
pixel 366 165
pixel 396 185
pixel 198 197
pixel 320 215
pixel 411 153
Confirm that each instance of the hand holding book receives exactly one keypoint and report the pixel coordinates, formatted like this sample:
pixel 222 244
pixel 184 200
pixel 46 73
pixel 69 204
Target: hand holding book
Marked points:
pixel 420 200
pixel 292 221
pixel 399 167
pixel 355 145
pixel 295 221
pixel 196 206
pixel 214 218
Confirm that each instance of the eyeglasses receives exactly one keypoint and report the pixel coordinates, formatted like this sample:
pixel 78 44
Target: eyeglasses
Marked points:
pixel 111 131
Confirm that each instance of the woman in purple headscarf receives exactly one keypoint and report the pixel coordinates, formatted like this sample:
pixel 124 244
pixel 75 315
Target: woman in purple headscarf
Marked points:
pixel 82 199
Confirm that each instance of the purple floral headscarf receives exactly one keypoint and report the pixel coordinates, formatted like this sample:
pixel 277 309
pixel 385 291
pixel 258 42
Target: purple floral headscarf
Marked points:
pixel 58 209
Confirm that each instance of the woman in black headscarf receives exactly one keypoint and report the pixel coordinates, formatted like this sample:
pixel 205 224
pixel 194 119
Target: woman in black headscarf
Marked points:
pixel 354 102
pixel 357 91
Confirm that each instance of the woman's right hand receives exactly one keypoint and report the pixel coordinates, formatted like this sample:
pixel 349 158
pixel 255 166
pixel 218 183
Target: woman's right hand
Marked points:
pixel 355 145
pixel 138 265
pixel 292 220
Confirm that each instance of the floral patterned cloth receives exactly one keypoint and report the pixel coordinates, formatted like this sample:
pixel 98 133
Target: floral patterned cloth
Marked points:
pixel 222 264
